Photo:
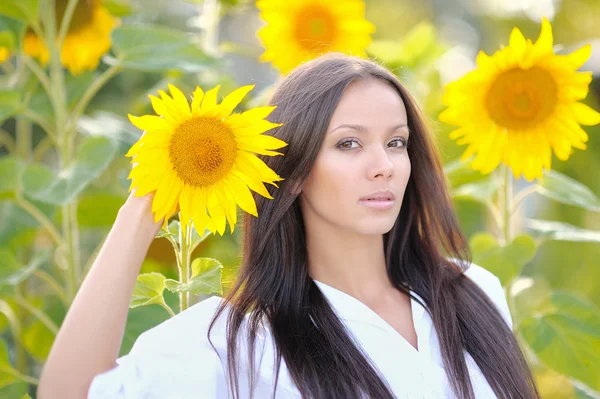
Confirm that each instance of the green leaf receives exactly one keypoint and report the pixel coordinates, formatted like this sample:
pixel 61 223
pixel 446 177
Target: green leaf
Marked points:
pixel 93 157
pixel 23 10
pixel 18 228
pixel 173 232
pixel 11 272
pixel 10 176
pixel 482 191
pixel 98 209
pixel 568 191
pixel 506 262
pixel 10 102
pixel 7 40
pixel 157 49
pixel 11 31
pixel 459 173
pixel 148 290
pixel 584 392
pixel 206 278
pixel 567 338
pixel 8 375
pixel 38 340
pixel 553 230
pixel 419 44
pixel 26 396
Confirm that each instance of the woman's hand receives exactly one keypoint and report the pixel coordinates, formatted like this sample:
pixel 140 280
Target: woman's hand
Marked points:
pixel 138 210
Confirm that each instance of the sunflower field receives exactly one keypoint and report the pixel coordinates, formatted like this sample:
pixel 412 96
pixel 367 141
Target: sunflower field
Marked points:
pixel 101 97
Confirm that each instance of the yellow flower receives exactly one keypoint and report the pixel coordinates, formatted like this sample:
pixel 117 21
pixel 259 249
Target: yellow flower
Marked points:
pixel 521 104
pixel 4 54
pixel 87 39
pixel 202 158
pixel 299 30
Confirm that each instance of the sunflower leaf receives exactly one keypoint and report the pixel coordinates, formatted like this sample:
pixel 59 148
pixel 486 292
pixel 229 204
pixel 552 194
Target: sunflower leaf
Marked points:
pixel 10 101
pixel 566 337
pixel 12 273
pixel 23 10
pixel 156 49
pixel 566 190
pixel 148 290
pixel 93 157
pixel 553 230
pixel 206 278
pixel 506 262
pixel 10 176
pixel 8 375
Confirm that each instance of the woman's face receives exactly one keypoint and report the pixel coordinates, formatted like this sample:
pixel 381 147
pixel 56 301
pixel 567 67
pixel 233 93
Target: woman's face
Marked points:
pixel 363 154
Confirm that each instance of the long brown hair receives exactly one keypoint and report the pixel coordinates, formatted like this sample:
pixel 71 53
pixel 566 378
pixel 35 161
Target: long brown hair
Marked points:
pixel 274 283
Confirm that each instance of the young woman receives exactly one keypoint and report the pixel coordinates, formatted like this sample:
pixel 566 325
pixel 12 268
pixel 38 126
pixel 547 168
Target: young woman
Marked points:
pixel 356 274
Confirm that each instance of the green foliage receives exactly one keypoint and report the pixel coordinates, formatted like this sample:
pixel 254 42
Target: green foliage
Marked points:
pixel 63 180
pixel 156 48
pixel 567 337
pixel 23 10
pixel 563 189
pixel 148 290
pixel 507 261
pixel 93 157
pixel 206 278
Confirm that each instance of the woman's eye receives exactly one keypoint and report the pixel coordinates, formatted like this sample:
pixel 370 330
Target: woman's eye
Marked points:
pixel 399 142
pixel 347 144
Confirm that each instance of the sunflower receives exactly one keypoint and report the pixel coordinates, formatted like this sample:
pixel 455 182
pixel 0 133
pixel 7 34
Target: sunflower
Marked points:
pixel 520 105
pixel 87 39
pixel 299 30
pixel 201 157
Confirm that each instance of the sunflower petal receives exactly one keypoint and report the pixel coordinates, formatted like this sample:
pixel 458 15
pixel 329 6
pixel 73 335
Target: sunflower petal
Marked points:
pixel 585 115
pixel 254 184
pixel 185 206
pixel 209 103
pixel 215 210
pixel 242 194
pixel 250 162
pixel 197 98
pixel 180 101
pixel 149 123
pixel 259 112
pixel 543 45
pixel 234 99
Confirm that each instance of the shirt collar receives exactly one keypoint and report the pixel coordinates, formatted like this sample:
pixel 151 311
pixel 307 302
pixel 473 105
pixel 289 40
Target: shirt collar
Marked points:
pixel 348 307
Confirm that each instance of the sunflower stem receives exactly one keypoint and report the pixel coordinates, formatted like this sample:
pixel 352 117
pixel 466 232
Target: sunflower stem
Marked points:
pixel 184 270
pixel 65 150
pixel 507 193
pixel 66 22
pixel 89 94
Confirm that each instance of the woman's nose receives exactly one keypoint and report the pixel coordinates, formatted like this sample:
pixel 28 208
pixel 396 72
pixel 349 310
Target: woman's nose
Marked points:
pixel 381 166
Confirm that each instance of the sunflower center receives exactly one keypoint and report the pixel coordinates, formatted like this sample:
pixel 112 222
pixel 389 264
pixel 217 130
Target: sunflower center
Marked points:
pixel 82 15
pixel 202 150
pixel 522 98
pixel 316 28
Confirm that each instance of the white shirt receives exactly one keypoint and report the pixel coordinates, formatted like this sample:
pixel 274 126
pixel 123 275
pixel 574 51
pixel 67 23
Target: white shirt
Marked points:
pixel 175 359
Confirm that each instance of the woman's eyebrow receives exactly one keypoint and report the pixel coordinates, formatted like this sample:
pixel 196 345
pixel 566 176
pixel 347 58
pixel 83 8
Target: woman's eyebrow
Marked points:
pixel 363 129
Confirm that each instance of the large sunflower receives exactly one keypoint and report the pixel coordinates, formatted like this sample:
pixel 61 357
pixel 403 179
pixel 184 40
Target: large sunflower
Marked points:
pixel 201 158
pixel 87 39
pixel 299 30
pixel 521 104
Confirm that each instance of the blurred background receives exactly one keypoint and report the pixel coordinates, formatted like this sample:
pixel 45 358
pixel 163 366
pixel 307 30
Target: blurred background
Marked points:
pixel 428 43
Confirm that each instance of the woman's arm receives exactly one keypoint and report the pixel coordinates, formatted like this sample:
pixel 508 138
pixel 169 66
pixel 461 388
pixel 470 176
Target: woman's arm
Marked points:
pixel 89 339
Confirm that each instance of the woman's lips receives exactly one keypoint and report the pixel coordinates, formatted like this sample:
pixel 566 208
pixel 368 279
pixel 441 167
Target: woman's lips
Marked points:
pixel 378 203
